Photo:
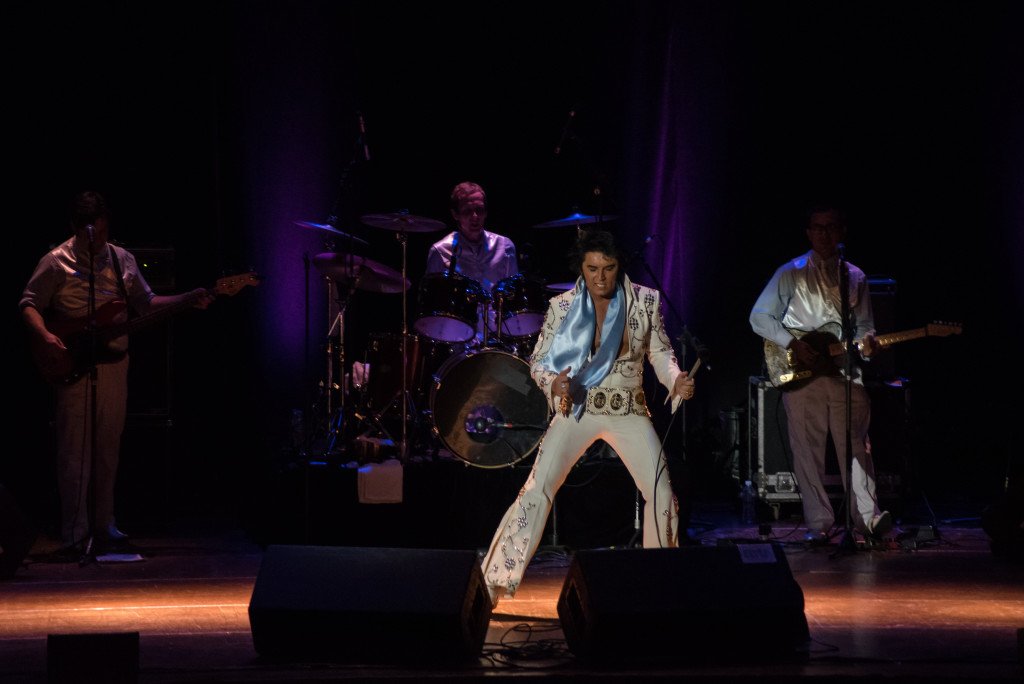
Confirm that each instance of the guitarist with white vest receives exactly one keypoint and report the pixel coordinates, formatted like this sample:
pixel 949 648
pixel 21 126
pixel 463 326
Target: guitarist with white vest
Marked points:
pixel 799 314
pixel 57 298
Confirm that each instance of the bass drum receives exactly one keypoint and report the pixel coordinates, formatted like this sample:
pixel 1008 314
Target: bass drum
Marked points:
pixel 487 409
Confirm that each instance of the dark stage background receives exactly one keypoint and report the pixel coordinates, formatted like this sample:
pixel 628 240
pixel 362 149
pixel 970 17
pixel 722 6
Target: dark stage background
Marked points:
pixel 704 127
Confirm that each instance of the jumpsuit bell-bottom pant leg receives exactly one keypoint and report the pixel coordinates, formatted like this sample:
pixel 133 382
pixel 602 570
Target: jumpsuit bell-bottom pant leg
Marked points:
pixel 635 441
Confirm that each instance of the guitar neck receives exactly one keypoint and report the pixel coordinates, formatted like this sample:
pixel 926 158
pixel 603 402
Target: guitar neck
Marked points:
pixel 161 314
pixel 893 338
pixel 837 348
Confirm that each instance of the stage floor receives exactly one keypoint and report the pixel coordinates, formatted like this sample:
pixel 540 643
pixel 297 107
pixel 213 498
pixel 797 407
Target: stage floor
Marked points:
pixel 930 604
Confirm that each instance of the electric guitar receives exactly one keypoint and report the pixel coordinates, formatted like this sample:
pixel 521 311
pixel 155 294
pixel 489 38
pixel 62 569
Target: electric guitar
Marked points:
pixel 785 372
pixel 72 363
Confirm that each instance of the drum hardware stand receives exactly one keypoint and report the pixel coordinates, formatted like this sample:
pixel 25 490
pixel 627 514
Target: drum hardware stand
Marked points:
pixel 403 451
pixel 336 416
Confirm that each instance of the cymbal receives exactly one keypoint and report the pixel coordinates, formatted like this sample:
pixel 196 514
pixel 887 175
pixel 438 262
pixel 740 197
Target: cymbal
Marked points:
pixel 367 274
pixel 403 221
pixel 331 229
pixel 575 219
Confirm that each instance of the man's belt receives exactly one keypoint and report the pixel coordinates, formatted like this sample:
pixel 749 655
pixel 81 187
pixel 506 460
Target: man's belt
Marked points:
pixel 615 401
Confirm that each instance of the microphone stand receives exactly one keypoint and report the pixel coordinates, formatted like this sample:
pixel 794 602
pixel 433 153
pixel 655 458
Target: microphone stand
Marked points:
pixel 686 339
pixel 847 544
pixel 89 551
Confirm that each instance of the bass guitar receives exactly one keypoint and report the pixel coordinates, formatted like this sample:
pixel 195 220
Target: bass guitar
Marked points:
pixel 75 360
pixel 785 372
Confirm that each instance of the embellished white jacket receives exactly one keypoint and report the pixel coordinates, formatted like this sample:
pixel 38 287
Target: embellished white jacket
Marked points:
pixel 644 331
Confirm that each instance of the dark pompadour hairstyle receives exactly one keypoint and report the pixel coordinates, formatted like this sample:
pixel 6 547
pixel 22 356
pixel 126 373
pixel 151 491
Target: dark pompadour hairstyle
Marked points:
pixel 596 241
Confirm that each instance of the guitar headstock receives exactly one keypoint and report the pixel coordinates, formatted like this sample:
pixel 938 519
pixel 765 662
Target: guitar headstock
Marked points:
pixel 229 285
pixel 942 329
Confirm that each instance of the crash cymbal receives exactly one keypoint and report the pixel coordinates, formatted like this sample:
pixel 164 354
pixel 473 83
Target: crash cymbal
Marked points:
pixel 403 221
pixel 575 219
pixel 364 274
pixel 331 229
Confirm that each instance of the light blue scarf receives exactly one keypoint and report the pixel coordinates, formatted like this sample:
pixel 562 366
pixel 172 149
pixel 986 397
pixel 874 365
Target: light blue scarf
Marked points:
pixel 571 344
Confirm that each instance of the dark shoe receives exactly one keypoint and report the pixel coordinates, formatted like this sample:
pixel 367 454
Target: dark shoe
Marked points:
pixel 66 554
pixel 495 595
pixel 881 525
pixel 116 535
pixel 816 538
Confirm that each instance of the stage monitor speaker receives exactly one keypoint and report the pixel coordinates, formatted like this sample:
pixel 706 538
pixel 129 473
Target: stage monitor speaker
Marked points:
pixel 17 535
pixel 356 604
pixel 109 657
pixel 732 602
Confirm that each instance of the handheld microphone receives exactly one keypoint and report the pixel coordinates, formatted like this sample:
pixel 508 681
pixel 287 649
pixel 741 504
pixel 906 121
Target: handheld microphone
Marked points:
pixel 362 137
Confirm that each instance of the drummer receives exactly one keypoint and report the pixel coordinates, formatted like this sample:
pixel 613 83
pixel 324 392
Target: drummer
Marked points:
pixel 473 251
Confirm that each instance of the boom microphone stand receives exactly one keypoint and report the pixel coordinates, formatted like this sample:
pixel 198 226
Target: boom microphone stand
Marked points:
pixel 88 552
pixel 686 340
pixel 847 544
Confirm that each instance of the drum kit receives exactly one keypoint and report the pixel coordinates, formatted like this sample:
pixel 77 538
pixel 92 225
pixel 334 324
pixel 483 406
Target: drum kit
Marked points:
pixel 484 406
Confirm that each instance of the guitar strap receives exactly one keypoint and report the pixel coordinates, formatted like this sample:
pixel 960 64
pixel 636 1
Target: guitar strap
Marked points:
pixel 120 278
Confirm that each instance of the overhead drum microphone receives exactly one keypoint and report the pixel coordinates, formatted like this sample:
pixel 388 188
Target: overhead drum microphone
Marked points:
pixel 565 131
pixel 362 137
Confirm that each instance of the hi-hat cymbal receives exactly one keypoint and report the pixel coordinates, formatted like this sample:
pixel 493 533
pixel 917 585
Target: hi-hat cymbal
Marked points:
pixel 363 273
pixel 575 219
pixel 403 222
pixel 331 229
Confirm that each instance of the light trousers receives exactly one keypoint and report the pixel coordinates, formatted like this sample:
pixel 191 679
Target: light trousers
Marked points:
pixel 811 412
pixel 75 458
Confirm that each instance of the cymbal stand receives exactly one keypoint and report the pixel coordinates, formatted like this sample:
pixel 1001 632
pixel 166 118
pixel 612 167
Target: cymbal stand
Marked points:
pixel 403 453
pixel 336 416
pixel 487 322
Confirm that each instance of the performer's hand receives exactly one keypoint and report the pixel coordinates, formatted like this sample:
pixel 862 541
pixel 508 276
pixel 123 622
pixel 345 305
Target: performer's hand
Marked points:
pixel 684 387
pixel 560 388
pixel 204 298
pixel 868 345
pixel 806 356
pixel 560 385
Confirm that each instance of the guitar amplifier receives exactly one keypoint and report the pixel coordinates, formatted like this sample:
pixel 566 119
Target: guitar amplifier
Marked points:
pixel 157 267
pixel 883 304
pixel 149 374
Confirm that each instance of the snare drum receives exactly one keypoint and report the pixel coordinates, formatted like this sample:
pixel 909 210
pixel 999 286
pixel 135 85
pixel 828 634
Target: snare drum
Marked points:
pixel 447 307
pixel 520 304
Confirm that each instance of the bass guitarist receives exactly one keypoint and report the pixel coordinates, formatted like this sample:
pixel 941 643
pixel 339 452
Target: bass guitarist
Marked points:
pixel 56 297
pixel 801 299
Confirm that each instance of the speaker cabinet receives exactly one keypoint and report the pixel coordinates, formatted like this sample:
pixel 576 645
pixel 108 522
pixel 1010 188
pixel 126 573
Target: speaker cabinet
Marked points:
pixel 729 602
pixel 361 604
pixel 150 372
pixel 17 534
pixel 112 658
